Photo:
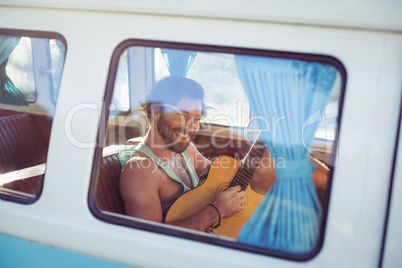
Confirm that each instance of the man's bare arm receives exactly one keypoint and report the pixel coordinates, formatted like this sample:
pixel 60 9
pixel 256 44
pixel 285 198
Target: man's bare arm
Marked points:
pixel 140 187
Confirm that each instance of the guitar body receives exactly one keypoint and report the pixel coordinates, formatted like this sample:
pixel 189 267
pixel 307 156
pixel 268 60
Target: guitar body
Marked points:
pixel 220 175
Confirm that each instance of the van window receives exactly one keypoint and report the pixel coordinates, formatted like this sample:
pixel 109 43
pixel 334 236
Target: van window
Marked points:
pixel 31 64
pixel 203 119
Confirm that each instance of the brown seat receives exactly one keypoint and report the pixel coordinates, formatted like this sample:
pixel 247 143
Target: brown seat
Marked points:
pixel 107 193
pixel 21 146
pixel 21 143
pixel 30 186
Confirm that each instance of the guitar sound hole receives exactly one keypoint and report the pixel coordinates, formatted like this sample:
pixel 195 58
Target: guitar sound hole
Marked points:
pixel 222 187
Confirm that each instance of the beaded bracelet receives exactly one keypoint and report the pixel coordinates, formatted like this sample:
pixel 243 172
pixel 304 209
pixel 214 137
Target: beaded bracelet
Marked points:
pixel 219 214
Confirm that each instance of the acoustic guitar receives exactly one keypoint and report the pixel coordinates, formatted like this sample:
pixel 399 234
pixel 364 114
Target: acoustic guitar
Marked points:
pixel 224 172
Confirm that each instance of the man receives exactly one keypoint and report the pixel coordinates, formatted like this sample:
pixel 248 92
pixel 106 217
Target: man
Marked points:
pixel 167 163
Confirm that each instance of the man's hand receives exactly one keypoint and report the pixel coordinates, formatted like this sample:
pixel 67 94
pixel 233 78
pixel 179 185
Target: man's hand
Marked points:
pixel 230 201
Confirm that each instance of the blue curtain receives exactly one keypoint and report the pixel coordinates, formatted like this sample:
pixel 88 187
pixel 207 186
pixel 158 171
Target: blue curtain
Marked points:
pixel 178 61
pixel 286 93
pixel 9 94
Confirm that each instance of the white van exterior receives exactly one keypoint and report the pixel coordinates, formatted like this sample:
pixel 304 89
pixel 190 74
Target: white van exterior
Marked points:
pixel 362 226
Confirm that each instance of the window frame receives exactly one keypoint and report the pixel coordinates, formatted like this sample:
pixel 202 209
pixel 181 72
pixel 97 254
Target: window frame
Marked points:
pixel 32 34
pixel 159 228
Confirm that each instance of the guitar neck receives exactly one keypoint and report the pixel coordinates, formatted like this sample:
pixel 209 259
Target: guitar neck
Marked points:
pixel 250 164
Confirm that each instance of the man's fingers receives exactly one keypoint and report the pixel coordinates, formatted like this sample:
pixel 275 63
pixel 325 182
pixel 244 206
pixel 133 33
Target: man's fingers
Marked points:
pixel 243 201
pixel 236 188
pixel 242 194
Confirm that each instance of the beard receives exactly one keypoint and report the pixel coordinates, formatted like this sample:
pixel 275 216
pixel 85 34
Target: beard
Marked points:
pixel 167 133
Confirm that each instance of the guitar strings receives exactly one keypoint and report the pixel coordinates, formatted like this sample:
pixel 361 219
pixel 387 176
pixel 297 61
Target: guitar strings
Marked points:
pixel 247 169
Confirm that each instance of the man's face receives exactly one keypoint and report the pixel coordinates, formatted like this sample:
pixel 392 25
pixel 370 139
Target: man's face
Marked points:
pixel 179 124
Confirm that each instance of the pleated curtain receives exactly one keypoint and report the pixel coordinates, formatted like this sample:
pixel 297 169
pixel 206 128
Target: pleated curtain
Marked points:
pixel 285 93
pixel 178 62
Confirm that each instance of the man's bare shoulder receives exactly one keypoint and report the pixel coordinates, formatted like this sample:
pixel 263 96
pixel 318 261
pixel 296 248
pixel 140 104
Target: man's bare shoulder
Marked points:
pixel 140 183
pixel 138 162
pixel 140 169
